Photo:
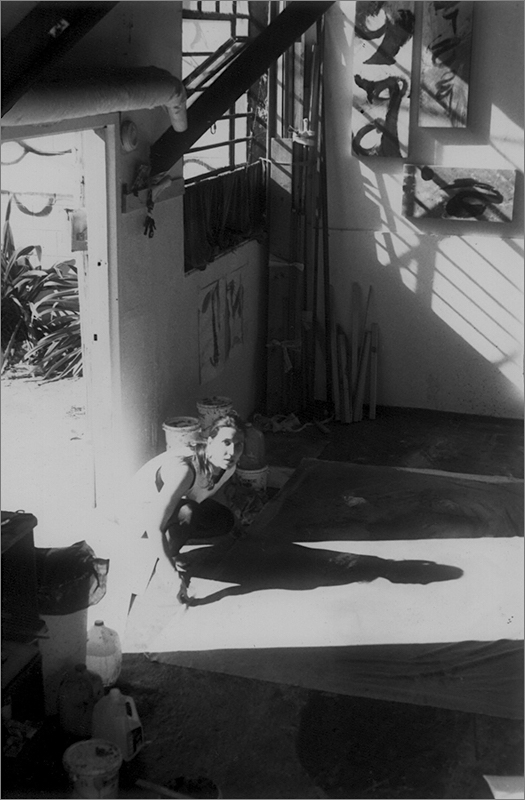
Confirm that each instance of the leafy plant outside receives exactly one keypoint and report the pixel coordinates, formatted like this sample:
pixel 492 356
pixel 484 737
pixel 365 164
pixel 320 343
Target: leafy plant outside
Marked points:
pixel 40 311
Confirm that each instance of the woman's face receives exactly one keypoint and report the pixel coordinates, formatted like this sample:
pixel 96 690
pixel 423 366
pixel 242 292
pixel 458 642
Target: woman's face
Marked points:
pixel 225 448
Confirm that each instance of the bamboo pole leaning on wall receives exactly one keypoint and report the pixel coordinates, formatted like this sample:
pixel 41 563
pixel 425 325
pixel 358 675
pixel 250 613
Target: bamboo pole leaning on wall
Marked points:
pixel 345 397
pixel 361 378
pixel 326 232
pixel 373 370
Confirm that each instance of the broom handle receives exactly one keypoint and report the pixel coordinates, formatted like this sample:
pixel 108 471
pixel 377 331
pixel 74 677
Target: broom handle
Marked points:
pixel 363 367
pixel 324 214
pixel 373 371
pixel 163 790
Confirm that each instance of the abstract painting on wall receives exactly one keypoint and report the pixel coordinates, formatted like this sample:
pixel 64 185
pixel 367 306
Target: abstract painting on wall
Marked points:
pixel 221 323
pixel 485 195
pixel 212 307
pixel 234 323
pixel 382 78
pixel 445 64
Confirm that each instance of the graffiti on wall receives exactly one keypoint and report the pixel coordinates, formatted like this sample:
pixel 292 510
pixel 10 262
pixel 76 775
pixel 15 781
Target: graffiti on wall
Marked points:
pixel 445 64
pixel 382 78
pixel 221 324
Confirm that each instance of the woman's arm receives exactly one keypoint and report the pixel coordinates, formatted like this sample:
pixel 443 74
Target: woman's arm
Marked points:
pixel 177 477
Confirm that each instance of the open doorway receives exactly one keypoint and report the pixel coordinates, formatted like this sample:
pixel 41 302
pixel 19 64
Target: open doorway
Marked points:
pixel 53 463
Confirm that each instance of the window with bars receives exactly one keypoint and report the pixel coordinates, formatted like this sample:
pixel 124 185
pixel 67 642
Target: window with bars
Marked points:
pixel 224 201
pixel 212 34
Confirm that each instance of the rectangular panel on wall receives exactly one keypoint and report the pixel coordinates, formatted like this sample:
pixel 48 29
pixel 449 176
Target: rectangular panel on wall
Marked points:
pixel 484 195
pixel 445 64
pixel 382 69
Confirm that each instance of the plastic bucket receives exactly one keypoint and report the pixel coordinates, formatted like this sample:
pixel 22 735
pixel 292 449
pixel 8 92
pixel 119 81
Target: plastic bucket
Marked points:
pixel 93 767
pixel 179 432
pixel 254 478
pixel 212 408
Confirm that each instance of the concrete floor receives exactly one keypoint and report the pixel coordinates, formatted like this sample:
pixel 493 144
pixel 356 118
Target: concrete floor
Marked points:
pixel 264 740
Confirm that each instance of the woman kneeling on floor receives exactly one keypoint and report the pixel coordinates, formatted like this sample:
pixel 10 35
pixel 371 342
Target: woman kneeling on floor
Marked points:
pixel 174 495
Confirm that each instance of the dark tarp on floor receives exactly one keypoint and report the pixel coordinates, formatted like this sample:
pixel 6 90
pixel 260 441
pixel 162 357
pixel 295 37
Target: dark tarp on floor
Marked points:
pixel 337 502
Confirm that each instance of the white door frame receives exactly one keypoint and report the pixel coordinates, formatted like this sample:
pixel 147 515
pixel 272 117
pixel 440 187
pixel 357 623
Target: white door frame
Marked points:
pixel 101 303
pixel 98 287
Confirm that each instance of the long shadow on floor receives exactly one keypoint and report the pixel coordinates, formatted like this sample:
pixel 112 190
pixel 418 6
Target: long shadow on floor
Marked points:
pixel 291 566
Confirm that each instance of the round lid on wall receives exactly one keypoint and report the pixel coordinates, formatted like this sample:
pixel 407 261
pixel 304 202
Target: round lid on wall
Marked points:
pixel 129 136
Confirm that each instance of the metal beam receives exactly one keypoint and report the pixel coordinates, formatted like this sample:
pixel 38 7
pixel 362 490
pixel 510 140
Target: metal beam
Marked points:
pixel 32 49
pixel 235 80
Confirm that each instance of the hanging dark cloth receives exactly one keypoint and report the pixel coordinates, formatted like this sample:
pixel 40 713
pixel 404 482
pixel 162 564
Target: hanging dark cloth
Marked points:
pixel 222 212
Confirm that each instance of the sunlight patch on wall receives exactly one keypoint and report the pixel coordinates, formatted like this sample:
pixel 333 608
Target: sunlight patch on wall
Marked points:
pixel 370 184
pixel 506 137
pixel 409 277
pixel 477 302
pixel 394 249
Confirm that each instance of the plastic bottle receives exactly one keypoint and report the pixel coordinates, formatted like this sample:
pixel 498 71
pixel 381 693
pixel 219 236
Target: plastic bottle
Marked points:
pixel 254 453
pixel 78 692
pixel 104 653
pixel 115 718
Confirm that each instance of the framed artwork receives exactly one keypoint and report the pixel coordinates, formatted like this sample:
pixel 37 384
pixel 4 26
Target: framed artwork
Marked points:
pixel 445 64
pixel 485 195
pixel 382 68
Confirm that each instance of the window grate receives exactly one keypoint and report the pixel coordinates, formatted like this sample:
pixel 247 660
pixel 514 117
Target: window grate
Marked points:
pixel 244 123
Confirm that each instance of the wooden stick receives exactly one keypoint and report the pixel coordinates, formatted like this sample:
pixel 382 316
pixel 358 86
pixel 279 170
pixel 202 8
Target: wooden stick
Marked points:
pixel 339 358
pixel 342 351
pixel 363 333
pixel 373 371
pixel 335 359
pixel 163 790
pixel 339 361
pixel 354 343
pixel 326 246
pixel 361 380
pixel 367 308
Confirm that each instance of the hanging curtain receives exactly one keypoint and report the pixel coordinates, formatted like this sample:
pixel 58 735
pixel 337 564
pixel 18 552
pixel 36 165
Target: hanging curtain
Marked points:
pixel 222 212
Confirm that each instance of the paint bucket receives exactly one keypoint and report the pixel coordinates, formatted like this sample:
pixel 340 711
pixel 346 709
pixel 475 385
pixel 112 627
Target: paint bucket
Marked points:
pixel 179 432
pixel 212 408
pixel 254 478
pixel 93 767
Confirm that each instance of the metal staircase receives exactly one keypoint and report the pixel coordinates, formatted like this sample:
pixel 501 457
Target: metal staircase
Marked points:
pixel 247 64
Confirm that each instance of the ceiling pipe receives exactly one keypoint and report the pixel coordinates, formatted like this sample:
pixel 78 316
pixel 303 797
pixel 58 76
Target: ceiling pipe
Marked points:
pixel 94 92
pixel 235 80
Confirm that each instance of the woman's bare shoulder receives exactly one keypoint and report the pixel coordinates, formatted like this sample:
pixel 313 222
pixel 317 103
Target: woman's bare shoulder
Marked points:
pixel 170 464
pixel 173 467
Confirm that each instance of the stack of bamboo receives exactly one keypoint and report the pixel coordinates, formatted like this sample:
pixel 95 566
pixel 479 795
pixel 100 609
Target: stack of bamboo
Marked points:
pixel 356 362
pixel 316 314
pixel 310 357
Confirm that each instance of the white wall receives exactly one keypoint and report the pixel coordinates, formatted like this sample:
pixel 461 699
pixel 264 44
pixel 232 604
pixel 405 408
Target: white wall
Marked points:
pixel 157 327
pixel 447 295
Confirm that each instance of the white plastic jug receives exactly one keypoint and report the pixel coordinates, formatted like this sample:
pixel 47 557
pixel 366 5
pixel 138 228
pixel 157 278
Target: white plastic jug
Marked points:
pixel 78 692
pixel 103 652
pixel 115 718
